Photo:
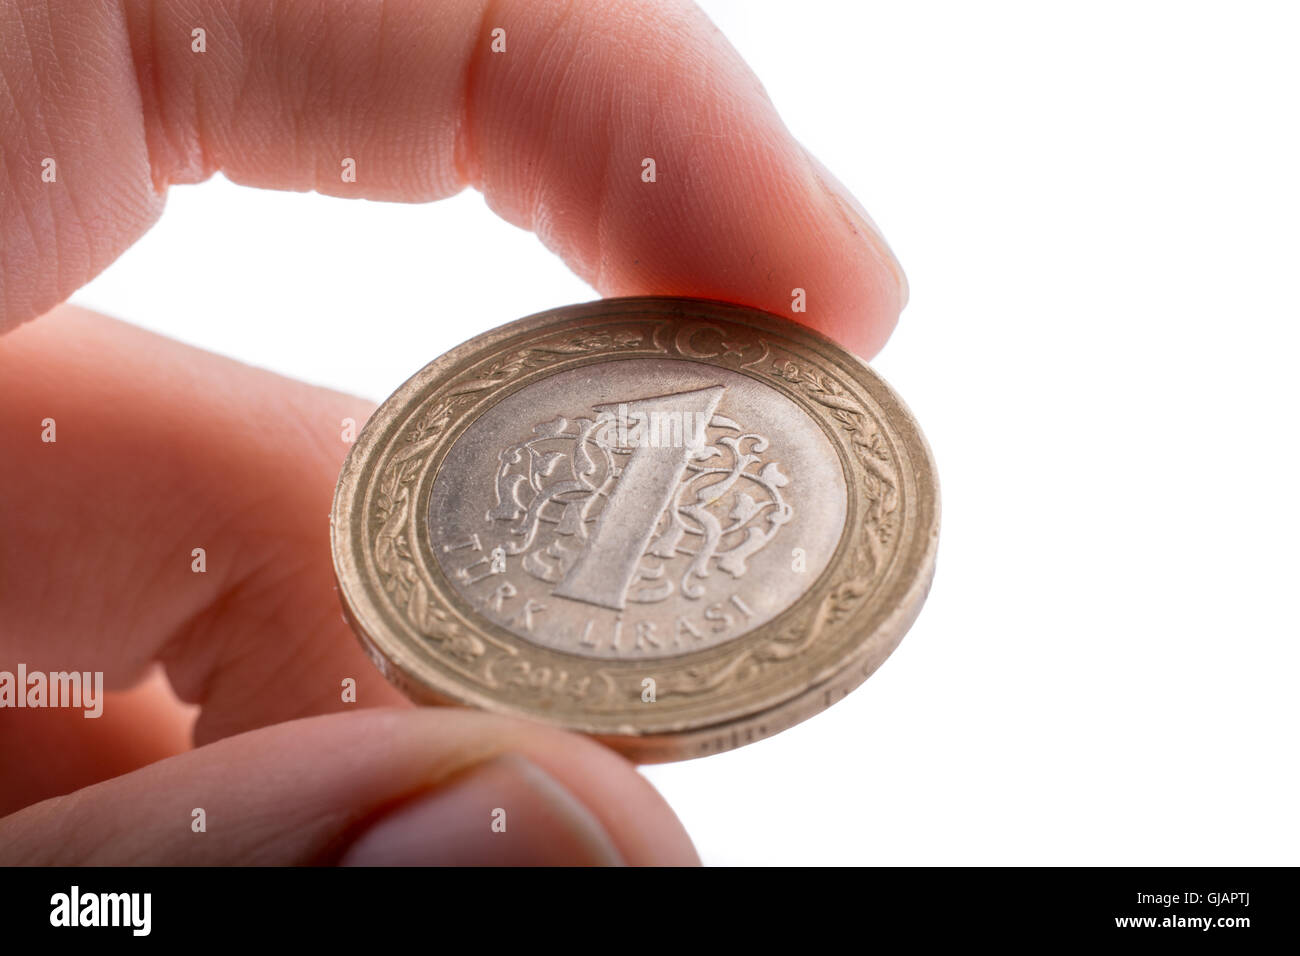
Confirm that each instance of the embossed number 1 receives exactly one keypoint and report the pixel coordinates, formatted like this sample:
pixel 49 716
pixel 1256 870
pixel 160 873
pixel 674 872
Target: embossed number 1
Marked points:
pixel 607 565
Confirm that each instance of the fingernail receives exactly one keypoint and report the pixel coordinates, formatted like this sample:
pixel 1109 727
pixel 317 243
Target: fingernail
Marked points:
pixel 860 220
pixel 504 812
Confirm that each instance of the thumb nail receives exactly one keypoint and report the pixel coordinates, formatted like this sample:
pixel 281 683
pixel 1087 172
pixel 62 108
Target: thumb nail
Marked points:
pixel 859 219
pixel 506 811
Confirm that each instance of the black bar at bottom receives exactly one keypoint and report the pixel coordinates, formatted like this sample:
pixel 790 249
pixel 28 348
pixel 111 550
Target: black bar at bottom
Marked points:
pixel 1228 907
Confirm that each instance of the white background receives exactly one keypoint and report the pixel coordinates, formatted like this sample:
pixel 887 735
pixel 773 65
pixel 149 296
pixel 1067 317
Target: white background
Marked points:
pixel 1098 209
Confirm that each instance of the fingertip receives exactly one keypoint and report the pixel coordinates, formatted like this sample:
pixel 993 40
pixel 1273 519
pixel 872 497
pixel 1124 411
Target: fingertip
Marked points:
pixel 506 811
pixel 417 785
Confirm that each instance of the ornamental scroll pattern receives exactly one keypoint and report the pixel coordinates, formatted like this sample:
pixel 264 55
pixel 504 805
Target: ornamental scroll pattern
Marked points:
pixel 879 483
pixel 394 505
pixel 728 506
pixel 499 665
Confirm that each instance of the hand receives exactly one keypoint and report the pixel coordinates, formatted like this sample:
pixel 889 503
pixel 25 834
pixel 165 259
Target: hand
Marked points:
pixel 162 448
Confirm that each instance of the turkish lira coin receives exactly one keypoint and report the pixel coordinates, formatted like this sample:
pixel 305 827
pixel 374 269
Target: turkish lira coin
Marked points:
pixel 676 525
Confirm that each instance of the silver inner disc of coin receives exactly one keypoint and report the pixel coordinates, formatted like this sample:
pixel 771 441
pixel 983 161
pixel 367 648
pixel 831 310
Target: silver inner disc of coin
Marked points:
pixel 637 509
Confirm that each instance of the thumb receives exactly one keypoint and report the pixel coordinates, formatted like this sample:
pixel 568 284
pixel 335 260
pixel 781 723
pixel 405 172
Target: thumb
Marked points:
pixel 376 787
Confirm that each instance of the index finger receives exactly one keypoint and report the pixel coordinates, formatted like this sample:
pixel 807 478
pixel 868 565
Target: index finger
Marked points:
pixel 632 140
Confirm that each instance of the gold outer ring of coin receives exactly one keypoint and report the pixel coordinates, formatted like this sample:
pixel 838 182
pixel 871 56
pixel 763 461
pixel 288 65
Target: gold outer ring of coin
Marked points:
pixel 431 640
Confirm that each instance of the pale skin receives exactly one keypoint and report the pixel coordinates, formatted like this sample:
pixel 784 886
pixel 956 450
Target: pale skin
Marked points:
pixel 162 447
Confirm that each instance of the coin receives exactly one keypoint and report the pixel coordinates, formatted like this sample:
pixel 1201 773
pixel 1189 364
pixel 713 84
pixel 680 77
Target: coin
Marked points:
pixel 676 525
